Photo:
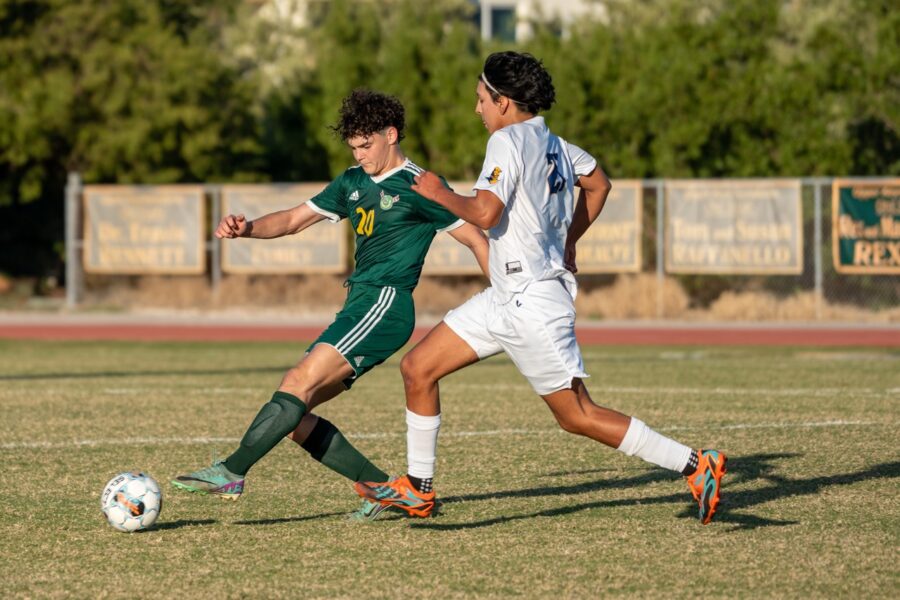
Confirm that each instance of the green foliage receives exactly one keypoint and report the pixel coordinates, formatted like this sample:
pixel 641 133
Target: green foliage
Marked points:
pixel 425 54
pixel 344 44
pixel 183 91
pixel 439 43
pixel 125 92
pixel 292 143
pixel 712 89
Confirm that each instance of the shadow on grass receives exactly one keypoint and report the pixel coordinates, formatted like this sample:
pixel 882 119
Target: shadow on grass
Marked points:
pixel 740 469
pixel 580 472
pixel 289 519
pixel 644 478
pixel 151 373
pixel 179 524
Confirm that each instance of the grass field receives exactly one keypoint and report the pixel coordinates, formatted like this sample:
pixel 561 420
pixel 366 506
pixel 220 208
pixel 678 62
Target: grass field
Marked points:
pixel 810 506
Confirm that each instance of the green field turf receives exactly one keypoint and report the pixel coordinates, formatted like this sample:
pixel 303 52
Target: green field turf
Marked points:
pixel 810 506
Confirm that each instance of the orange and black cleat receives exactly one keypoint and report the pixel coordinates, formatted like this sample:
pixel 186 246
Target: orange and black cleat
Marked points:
pixel 705 482
pixel 398 493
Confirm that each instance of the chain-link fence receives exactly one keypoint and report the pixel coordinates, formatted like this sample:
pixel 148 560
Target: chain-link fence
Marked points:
pixel 816 292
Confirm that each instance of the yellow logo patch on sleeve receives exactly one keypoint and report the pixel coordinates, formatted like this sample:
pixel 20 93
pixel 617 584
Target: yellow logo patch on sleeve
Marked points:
pixel 494 176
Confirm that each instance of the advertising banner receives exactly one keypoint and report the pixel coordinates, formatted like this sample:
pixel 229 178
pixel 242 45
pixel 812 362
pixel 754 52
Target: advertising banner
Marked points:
pixel 612 244
pixel 144 229
pixel 866 226
pixel 320 248
pixel 733 226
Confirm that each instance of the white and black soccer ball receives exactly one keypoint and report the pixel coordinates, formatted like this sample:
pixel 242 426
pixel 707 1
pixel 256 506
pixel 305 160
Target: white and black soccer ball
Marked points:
pixel 131 501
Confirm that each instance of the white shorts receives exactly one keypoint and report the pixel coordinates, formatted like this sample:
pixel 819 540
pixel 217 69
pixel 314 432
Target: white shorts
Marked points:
pixel 536 329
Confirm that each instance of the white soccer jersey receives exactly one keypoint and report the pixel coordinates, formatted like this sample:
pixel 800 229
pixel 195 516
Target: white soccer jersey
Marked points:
pixel 533 172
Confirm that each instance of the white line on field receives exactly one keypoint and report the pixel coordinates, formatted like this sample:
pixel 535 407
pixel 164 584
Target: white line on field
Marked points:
pixel 606 390
pixel 134 441
pixel 187 392
pixel 696 390
pixel 164 441
pixel 500 387
pixel 778 425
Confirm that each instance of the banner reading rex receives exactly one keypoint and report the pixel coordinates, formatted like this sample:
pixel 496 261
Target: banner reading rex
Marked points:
pixel 866 226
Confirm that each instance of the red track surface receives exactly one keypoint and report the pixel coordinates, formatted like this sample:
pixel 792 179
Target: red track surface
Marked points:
pixel 888 336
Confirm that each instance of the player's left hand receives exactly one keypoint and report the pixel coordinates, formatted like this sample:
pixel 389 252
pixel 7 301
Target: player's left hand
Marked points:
pixel 569 258
pixel 427 184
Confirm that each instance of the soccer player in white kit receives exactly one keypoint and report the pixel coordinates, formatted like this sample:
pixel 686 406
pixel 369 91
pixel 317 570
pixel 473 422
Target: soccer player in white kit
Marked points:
pixel 525 198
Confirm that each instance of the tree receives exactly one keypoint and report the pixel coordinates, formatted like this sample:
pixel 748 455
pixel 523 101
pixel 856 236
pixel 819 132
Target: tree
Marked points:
pixel 345 37
pixel 430 59
pixel 124 92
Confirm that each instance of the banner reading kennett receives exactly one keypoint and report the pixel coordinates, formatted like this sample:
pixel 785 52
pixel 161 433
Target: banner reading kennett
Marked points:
pixel 321 248
pixel 734 226
pixel 144 229
pixel 866 226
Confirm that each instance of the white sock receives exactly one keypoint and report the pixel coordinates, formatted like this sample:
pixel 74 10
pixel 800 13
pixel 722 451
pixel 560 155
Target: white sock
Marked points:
pixel 421 444
pixel 642 441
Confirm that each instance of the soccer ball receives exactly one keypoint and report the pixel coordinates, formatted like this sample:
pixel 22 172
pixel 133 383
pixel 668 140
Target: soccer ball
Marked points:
pixel 131 501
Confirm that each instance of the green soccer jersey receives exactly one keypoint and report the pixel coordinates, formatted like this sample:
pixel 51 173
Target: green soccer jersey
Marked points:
pixel 394 225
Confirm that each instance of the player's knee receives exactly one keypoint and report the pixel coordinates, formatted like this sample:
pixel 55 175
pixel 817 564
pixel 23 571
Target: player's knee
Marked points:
pixel 572 423
pixel 294 383
pixel 413 370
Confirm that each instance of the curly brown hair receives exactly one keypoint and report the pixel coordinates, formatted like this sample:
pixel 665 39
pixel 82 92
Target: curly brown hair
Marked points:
pixel 365 112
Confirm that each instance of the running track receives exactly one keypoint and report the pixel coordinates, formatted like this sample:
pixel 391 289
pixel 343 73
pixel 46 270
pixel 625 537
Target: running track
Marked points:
pixel 120 327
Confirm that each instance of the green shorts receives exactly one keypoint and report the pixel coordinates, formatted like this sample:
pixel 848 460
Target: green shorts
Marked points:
pixel 374 323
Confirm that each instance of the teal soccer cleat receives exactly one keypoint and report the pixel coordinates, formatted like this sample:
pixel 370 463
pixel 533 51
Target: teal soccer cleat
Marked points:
pixel 368 511
pixel 215 480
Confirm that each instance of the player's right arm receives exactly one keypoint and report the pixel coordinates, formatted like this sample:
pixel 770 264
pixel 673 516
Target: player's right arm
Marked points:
pixel 483 210
pixel 272 225
pixel 493 189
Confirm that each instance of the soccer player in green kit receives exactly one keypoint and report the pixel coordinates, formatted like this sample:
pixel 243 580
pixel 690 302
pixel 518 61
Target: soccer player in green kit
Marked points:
pixel 394 227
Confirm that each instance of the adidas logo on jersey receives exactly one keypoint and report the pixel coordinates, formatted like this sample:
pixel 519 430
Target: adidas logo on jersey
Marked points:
pixel 358 360
pixel 354 196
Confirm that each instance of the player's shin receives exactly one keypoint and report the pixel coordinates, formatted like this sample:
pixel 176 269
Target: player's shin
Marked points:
pixel 653 447
pixel 276 419
pixel 421 448
pixel 328 445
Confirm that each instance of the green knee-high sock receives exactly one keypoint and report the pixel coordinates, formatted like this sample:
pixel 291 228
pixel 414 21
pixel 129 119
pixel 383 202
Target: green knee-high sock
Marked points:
pixel 275 419
pixel 328 445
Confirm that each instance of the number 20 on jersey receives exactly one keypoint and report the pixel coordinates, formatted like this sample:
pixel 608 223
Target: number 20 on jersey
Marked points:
pixel 366 221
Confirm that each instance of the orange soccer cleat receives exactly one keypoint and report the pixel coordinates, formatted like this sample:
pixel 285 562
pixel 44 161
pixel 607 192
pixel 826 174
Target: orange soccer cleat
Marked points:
pixel 398 493
pixel 705 482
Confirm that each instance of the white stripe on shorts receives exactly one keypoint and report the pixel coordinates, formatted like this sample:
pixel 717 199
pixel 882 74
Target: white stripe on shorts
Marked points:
pixel 368 322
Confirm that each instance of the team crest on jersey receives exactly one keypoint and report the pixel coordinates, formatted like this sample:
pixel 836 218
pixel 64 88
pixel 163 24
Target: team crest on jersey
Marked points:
pixel 494 177
pixel 388 201
pixel 354 196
